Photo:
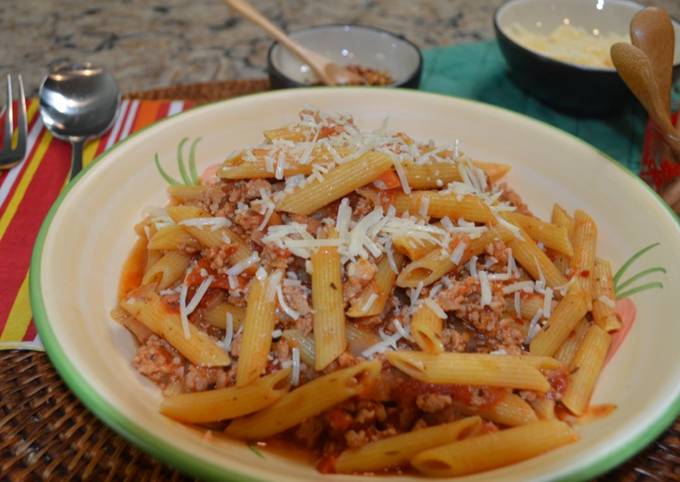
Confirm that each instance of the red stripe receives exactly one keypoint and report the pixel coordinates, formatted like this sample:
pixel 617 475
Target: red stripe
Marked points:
pixel 163 111
pixel 18 240
pixel 31 332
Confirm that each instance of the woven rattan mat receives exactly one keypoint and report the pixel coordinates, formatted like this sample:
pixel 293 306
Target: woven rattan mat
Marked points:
pixel 46 433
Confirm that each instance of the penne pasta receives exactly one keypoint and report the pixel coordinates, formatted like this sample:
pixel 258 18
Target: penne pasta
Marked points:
pixel 257 329
pixel 172 237
pixel 372 300
pixel 216 315
pixel 146 306
pixel 358 340
pixel 396 451
pixel 411 247
pixel 167 270
pixel 585 369
pixel 304 343
pixel 328 303
pixel 497 449
pixel 426 328
pixel 604 297
pixel 551 235
pixel 585 241
pixel 182 193
pixel 544 408
pixel 568 349
pixel 469 369
pixel 433 175
pixel 535 261
pixel 227 403
pixel 306 401
pixel 441 205
pixel 561 323
pixel 337 182
pixel 437 263
pixel 511 410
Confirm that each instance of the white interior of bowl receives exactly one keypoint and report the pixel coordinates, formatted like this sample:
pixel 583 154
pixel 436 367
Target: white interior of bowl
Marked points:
pixel 602 16
pixel 349 44
pixel 92 232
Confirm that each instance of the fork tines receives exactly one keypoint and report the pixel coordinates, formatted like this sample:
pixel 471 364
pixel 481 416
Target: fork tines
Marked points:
pixel 11 155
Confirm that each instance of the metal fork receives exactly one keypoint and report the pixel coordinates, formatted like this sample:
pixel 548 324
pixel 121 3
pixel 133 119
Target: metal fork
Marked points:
pixel 12 155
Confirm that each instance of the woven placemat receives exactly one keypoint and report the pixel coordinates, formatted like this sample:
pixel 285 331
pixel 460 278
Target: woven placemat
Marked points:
pixel 46 433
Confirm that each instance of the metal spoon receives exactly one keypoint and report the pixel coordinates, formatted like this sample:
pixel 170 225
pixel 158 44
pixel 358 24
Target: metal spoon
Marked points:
pixel 78 102
pixel 328 72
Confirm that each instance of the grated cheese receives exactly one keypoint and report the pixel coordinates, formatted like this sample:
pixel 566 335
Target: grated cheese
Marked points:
pixel 485 287
pixel 472 266
pixel 183 311
pixel 214 223
pixel 242 265
pixel 533 325
pixel 436 309
pixel 518 286
pixel 547 302
pixel 458 252
pixel 198 296
pixel 369 302
pixel 295 374
pixel 229 333
pixel 607 301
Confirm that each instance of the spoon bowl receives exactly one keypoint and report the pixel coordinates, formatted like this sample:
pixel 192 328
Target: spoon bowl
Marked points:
pixel 78 102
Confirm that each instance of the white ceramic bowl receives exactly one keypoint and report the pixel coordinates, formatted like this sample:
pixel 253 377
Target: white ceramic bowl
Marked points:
pixel 569 86
pixel 347 44
pixel 89 232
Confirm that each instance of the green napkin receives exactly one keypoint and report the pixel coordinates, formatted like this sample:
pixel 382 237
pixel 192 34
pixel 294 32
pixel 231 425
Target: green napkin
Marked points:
pixel 478 71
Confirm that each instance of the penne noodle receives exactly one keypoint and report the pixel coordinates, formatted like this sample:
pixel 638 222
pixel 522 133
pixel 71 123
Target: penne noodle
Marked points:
pixel 535 261
pixel 257 329
pixel 216 315
pixel 372 300
pixel 227 403
pixel 561 323
pixel 181 193
pixel 397 450
pixel 172 237
pixel 167 270
pixel 551 235
pixel 305 402
pixel 357 340
pixel 304 343
pixel 258 170
pixel 437 263
pixel 438 174
pixel 568 349
pixel 411 247
pixel 604 297
pixel 560 217
pixel 544 408
pixel 132 273
pixel 146 306
pixel 328 303
pixel 426 328
pixel 511 410
pixel 469 369
pixel 494 171
pixel 339 181
pixel 293 133
pixel 585 369
pixel 492 450
pixel 585 241
pixel 439 205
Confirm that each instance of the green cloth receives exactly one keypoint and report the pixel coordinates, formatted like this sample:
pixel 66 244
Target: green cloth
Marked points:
pixel 478 71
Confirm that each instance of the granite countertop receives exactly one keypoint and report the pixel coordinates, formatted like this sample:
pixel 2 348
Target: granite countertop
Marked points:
pixel 155 43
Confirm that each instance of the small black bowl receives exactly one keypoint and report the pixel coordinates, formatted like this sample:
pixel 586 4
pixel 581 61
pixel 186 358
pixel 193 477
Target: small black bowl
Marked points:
pixel 347 44
pixel 570 87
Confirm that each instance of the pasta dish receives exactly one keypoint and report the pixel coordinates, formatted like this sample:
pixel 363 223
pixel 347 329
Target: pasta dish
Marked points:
pixel 389 304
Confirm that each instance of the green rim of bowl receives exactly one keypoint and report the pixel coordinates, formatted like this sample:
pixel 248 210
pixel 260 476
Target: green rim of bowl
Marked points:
pixel 196 466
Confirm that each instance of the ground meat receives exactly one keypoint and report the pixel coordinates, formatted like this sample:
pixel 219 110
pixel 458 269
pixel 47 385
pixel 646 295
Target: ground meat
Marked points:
pixel 455 340
pixel 273 258
pixel 249 220
pixel 513 198
pixel 464 299
pixel 359 274
pixel 309 431
pixel 297 298
pixel 157 360
pixel 219 256
pixel 433 402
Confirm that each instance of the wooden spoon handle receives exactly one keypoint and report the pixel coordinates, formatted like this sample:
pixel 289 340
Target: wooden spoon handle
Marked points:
pixel 314 60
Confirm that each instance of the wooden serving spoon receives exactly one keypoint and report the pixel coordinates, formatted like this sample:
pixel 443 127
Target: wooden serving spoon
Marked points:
pixel 651 30
pixel 636 71
pixel 328 72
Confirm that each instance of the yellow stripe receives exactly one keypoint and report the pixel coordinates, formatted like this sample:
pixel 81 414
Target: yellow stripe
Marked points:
pixel 89 151
pixel 23 184
pixel 33 106
pixel 19 316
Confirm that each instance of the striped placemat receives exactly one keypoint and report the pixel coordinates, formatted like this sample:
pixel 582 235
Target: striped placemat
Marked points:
pixel 28 190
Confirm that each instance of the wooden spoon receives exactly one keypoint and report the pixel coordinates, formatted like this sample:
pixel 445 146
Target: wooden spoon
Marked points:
pixel 651 30
pixel 636 71
pixel 328 72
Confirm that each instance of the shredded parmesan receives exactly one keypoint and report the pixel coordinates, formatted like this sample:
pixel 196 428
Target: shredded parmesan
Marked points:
pixel 534 326
pixel 607 301
pixel 183 311
pixel 518 286
pixel 200 293
pixel 472 266
pixel 485 288
pixel 242 265
pixel 229 333
pixel 547 302
pixel 214 223
pixel 436 309
pixel 369 302
pixel 458 252
pixel 295 373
